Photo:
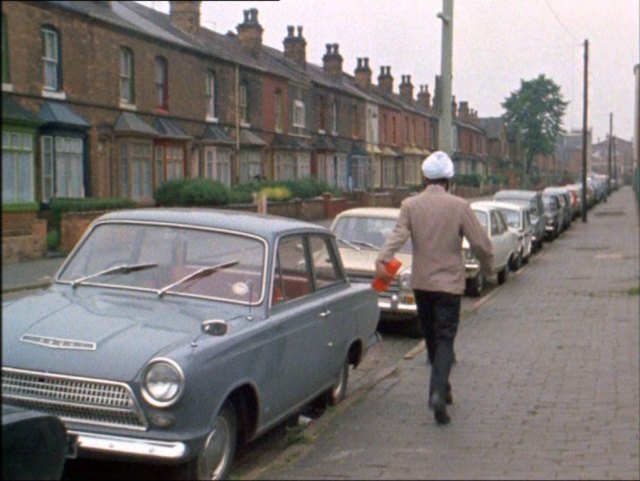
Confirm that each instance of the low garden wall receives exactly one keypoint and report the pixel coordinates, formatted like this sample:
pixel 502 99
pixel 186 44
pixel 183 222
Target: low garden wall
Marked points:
pixel 24 237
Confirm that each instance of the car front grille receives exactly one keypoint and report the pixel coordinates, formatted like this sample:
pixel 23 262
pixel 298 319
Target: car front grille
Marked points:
pixel 81 400
pixel 394 287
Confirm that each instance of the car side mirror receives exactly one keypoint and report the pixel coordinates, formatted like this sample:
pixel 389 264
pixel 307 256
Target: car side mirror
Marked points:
pixel 214 327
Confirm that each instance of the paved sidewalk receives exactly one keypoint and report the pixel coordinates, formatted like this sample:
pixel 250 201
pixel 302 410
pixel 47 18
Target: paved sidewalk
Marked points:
pixel 29 274
pixel 546 385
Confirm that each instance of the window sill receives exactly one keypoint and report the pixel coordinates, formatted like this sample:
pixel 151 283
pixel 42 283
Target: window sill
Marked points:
pixel 7 87
pixel 245 124
pixel 52 94
pixel 213 120
pixel 321 131
pixel 160 110
pixel 127 106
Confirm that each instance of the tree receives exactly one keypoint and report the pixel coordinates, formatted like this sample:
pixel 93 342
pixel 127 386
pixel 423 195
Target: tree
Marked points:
pixel 534 116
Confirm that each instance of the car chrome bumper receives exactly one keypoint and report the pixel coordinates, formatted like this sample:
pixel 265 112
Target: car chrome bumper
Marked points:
pixel 394 305
pixel 129 446
pixel 471 270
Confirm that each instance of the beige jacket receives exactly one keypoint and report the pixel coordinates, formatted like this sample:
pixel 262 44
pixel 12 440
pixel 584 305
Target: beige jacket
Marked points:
pixel 436 222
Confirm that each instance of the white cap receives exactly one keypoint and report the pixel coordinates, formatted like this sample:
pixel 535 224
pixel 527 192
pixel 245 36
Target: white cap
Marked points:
pixel 437 166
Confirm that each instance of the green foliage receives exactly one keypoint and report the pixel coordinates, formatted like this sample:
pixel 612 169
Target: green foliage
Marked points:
pixel 61 205
pixel 192 192
pixel 53 240
pixel 275 193
pixel 21 207
pixel 467 180
pixel 534 114
pixel 497 179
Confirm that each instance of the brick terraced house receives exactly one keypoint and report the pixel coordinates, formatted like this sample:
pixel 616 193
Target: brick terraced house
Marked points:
pixel 110 99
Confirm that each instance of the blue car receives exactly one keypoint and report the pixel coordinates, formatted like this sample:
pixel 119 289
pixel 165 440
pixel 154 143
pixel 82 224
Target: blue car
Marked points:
pixel 172 335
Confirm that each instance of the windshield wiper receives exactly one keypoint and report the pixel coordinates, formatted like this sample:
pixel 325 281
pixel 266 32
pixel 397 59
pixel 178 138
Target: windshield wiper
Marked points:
pixel 203 271
pixel 348 243
pixel 119 269
pixel 366 244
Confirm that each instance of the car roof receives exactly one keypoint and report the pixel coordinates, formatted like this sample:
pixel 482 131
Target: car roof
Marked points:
pixel 382 212
pixel 263 225
pixel 515 193
pixel 502 205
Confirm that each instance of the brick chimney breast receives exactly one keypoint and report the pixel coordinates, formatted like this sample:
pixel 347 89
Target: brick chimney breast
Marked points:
pixel 363 74
pixel 424 97
pixel 332 61
pixel 185 16
pixel 250 32
pixel 295 47
pixel 463 110
pixel 406 89
pixel 385 80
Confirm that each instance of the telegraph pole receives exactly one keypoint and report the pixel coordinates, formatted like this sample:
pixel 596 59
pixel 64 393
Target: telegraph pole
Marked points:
pixel 609 156
pixel 445 137
pixel 584 131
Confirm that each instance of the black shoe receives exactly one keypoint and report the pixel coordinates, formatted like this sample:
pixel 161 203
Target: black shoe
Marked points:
pixel 448 398
pixel 439 409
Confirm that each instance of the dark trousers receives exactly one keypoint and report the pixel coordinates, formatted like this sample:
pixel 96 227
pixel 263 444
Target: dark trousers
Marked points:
pixel 439 313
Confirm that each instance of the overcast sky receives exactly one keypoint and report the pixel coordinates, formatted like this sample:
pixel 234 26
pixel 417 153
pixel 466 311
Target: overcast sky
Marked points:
pixel 496 44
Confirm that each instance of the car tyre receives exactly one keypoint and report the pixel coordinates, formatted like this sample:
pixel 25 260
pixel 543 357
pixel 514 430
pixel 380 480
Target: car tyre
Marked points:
pixel 339 390
pixel 475 285
pixel 515 262
pixel 503 275
pixel 216 456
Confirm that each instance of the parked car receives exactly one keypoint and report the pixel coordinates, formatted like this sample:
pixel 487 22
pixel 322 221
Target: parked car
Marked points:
pixel 169 335
pixel 576 198
pixel 552 216
pixel 532 199
pixel 518 220
pixel 564 198
pixel 505 248
pixel 34 444
pixel 361 232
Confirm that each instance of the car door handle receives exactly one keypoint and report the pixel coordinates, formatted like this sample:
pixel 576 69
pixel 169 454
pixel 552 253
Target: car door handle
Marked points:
pixel 324 314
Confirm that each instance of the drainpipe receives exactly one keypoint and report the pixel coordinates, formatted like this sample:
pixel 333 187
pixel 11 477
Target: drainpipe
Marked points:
pixel 237 161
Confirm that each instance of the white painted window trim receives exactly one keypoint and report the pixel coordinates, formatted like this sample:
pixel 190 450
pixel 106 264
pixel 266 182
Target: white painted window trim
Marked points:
pixel 210 119
pixel 127 106
pixel 7 87
pixel 52 94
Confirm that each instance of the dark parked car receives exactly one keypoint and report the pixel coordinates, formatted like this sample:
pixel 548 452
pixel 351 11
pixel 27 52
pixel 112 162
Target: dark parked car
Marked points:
pixel 34 444
pixel 170 335
pixel 533 200
pixel 552 216
pixel 564 197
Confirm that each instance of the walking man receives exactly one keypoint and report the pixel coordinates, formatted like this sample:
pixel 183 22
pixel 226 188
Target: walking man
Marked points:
pixel 436 221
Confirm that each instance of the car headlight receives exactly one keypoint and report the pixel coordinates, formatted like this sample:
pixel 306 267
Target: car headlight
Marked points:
pixel 162 383
pixel 405 281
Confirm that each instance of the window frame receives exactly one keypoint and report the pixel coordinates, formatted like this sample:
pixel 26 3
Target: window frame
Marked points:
pixel 210 92
pixel 15 160
pixel 6 77
pixel 48 31
pixel 127 54
pixel 299 114
pixel 243 102
pixel 161 66
pixel 278 111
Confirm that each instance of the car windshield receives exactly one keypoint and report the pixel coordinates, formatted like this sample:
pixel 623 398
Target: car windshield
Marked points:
pixel 170 260
pixel 367 232
pixel 512 217
pixel 549 203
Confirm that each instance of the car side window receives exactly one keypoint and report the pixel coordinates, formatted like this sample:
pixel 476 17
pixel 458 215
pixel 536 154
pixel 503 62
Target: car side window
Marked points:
pixel 326 270
pixel 495 225
pixel 292 277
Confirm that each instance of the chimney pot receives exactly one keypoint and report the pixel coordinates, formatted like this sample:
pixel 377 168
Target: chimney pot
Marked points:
pixel 299 31
pixel 290 31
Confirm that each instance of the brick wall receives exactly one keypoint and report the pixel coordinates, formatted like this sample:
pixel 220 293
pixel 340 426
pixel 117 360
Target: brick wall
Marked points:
pixel 72 227
pixel 24 237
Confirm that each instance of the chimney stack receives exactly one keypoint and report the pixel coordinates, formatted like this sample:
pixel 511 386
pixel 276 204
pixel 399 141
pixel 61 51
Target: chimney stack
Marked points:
pixel 363 74
pixel 250 32
pixel 424 97
pixel 385 80
pixel 463 110
pixel 184 16
pixel 295 47
pixel 406 89
pixel 332 61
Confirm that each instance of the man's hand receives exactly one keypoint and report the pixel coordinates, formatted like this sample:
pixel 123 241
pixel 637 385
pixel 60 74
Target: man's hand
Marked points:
pixel 381 271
